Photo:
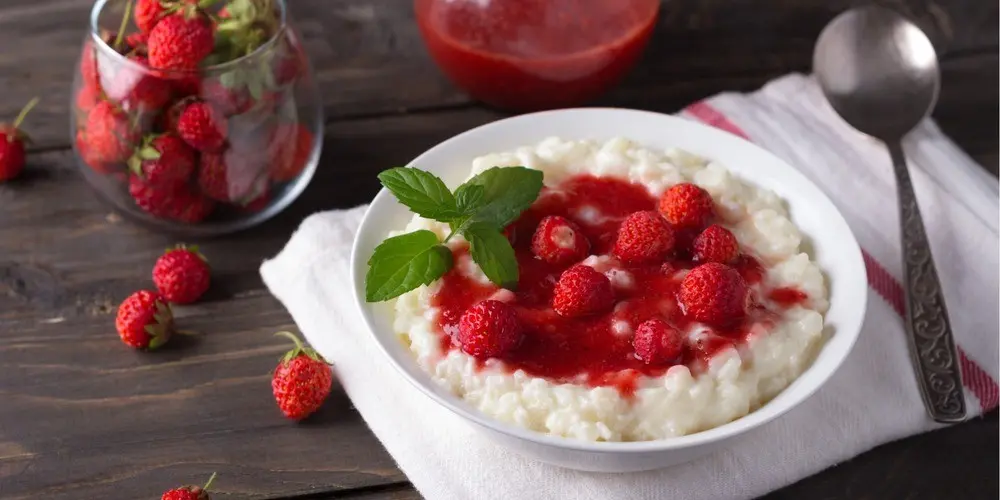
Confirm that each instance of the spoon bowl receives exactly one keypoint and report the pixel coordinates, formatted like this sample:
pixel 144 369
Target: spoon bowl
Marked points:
pixel 878 70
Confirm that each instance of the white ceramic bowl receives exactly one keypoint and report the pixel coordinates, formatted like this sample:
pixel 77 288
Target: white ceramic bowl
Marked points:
pixel 826 234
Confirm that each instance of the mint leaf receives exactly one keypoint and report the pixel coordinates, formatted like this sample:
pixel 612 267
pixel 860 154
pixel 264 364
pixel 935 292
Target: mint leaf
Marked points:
pixel 422 192
pixel 467 197
pixel 403 263
pixel 507 191
pixel 493 253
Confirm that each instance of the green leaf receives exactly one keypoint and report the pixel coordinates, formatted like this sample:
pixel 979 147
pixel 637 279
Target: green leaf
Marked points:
pixel 467 197
pixel 507 191
pixel 405 262
pixel 491 250
pixel 422 192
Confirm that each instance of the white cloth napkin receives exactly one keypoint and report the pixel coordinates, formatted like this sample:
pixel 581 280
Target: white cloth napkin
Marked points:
pixel 872 399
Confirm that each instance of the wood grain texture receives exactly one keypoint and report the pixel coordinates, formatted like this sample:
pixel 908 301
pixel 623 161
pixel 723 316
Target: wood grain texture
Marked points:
pixel 82 416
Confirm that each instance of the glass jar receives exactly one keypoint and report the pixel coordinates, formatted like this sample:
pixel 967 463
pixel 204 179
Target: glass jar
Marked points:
pixel 197 152
pixel 528 55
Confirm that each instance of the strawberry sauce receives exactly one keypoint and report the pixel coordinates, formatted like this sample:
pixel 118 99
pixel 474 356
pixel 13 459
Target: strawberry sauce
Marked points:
pixel 597 350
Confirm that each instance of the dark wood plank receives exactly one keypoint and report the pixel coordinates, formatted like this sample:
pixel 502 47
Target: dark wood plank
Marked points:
pixel 363 49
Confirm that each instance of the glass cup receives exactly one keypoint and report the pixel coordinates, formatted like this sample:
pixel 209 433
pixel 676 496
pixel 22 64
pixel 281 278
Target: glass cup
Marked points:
pixel 195 152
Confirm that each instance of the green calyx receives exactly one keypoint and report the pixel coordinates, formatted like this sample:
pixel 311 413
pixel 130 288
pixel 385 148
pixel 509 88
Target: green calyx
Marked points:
pixel 163 326
pixel 189 248
pixel 144 152
pixel 299 349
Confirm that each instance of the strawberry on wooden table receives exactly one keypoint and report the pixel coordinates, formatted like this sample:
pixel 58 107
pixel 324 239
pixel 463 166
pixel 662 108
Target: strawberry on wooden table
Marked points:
pixel 182 274
pixel 12 141
pixel 189 492
pixel 302 380
pixel 145 320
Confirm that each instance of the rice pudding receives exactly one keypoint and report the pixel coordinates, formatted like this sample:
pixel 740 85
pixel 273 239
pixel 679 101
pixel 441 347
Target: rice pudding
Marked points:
pixel 659 295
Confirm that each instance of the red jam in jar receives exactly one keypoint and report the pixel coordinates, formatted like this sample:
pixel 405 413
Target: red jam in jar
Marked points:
pixel 526 55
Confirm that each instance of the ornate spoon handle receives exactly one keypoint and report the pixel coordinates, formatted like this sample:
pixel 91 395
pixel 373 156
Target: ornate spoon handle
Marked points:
pixel 927 326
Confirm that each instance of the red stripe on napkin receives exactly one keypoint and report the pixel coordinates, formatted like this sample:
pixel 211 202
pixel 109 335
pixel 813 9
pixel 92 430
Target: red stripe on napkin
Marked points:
pixel 974 378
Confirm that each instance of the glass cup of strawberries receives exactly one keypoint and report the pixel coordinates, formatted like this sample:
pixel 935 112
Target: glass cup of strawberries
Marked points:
pixel 196 116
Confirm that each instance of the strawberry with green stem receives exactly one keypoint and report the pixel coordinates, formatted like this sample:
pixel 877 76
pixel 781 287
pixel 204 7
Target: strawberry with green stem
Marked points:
pixel 302 380
pixel 189 492
pixel 144 320
pixel 162 160
pixel 12 140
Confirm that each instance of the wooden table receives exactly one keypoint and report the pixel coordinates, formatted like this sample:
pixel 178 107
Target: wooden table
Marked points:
pixel 82 416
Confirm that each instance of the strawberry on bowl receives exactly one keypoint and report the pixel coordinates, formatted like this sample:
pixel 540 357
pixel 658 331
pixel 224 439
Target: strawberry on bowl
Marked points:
pixel 586 311
pixel 195 117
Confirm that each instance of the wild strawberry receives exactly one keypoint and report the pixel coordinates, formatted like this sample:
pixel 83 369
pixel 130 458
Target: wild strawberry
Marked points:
pixel 294 151
pixel 228 100
pixel 89 75
pixel 144 320
pixel 110 137
pixel 86 98
pixel 189 492
pixel 302 380
pixel 181 41
pixel 715 294
pixel 558 240
pixel 656 342
pixel 177 202
pixel 643 238
pixel 259 202
pixel 489 329
pixel 687 206
pixel 203 127
pixel 716 244
pixel 138 90
pixel 212 177
pixel 182 275
pixel 88 158
pixel 163 160
pixel 137 43
pixel 581 291
pixel 147 14
pixel 12 141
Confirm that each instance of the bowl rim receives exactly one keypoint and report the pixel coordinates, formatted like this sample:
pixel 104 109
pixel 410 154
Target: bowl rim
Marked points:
pixel 850 328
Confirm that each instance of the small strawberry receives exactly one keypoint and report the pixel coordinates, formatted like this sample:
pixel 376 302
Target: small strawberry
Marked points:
pixel 294 151
pixel 88 158
pixel 137 42
pixel 228 100
pixel 12 141
pixel 580 291
pixel 86 98
pixel 182 274
pixel 302 380
pixel 644 238
pixel 144 320
pixel 687 206
pixel 558 240
pixel 715 294
pixel 181 41
pixel 716 244
pixel 177 202
pixel 656 342
pixel 147 14
pixel 163 160
pixel 489 329
pixel 203 127
pixel 138 90
pixel 212 177
pixel 189 492
pixel 110 137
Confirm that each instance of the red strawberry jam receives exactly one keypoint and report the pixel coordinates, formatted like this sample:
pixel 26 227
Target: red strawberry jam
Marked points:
pixel 597 349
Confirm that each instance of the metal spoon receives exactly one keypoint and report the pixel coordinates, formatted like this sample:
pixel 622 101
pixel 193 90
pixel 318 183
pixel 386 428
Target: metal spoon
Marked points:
pixel 880 73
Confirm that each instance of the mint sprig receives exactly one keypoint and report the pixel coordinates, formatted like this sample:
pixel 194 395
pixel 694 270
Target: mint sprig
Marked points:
pixel 479 210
